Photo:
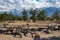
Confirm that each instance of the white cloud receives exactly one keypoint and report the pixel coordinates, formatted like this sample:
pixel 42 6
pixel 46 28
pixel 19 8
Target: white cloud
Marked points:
pixel 57 3
pixel 20 4
pixel 11 0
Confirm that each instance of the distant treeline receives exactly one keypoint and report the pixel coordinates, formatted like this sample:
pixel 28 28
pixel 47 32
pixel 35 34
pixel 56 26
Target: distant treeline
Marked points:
pixel 32 14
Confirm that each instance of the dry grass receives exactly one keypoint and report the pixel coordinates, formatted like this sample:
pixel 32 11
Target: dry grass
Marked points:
pixel 42 34
pixel 30 23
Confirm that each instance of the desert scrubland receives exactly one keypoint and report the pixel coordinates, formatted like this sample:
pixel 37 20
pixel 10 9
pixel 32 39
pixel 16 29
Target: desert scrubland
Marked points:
pixel 35 24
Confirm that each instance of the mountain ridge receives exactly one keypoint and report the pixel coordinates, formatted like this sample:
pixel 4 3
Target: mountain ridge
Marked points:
pixel 16 6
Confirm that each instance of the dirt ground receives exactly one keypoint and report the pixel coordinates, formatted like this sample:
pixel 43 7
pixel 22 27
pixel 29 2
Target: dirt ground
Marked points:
pixel 42 35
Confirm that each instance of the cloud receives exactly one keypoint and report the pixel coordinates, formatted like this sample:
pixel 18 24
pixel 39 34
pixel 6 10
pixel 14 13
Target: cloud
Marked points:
pixel 8 5
pixel 57 3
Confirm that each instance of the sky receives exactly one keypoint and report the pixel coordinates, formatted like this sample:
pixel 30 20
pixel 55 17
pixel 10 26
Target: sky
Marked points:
pixel 8 5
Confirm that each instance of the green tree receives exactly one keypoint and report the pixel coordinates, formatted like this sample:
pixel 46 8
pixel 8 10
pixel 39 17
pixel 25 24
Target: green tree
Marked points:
pixel 20 18
pixel 4 16
pixel 42 15
pixel 11 17
pixel 56 15
pixel 25 15
pixel 50 18
pixel 33 13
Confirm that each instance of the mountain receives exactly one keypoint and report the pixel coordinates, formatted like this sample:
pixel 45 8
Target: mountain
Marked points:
pixel 16 6
pixel 49 10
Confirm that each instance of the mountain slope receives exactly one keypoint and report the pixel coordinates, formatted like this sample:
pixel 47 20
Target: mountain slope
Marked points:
pixel 15 6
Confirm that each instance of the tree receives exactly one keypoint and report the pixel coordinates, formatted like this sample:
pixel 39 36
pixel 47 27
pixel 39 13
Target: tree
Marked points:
pixel 42 15
pixel 33 13
pixel 20 18
pixel 56 15
pixel 25 15
pixel 11 17
pixel 3 16
pixel 50 18
pixel 7 17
